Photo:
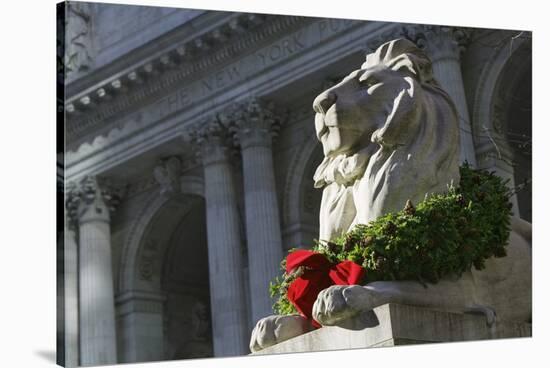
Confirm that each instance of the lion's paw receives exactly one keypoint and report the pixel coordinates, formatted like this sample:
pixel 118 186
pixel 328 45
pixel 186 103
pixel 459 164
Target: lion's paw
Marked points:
pixel 340 302
pixel 337 303
pixel 275 329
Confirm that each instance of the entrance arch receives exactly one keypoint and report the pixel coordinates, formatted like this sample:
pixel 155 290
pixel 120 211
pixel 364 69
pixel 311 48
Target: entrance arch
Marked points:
pixel 157 251
pixel 302 201
pixel 502 118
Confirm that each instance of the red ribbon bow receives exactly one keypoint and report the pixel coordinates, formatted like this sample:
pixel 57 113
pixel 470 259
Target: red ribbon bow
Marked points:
pixel 319 273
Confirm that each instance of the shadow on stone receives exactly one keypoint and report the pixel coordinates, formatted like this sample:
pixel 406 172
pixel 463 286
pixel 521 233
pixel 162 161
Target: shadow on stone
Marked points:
pixel 364 319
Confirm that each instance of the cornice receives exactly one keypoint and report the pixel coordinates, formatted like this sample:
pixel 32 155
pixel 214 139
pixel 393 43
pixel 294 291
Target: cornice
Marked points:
pixel 181 63
pixel 315 45
pixel 151 50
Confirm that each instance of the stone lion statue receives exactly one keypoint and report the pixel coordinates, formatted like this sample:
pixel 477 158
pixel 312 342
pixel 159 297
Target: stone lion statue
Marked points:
pixel 389 134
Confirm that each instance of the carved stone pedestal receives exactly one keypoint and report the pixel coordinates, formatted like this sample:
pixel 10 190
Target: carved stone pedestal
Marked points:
pixel 396 324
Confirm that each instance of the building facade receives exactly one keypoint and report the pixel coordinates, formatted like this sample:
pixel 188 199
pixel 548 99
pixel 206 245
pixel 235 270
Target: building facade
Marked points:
pixel 189 155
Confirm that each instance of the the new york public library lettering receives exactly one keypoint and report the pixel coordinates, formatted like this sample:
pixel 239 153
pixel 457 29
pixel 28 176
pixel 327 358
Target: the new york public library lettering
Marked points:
pixel 246 184
pixel 251 64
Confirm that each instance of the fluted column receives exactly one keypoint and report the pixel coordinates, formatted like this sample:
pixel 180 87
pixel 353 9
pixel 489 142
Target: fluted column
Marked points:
pixel 255 123
pixel 227 297
pixel 444 45
pixel 70 289
pixel 96 298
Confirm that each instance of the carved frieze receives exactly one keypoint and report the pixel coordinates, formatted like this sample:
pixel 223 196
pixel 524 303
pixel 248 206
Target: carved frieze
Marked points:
pixel 148 260
pixel 183 62
pixel 167 174
pixel 78 40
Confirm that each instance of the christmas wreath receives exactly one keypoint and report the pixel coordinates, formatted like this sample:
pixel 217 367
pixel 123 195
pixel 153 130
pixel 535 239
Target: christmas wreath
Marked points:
pixel 446 234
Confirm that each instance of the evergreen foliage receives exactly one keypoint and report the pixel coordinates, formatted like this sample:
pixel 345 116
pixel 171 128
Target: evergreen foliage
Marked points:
pixel 444 235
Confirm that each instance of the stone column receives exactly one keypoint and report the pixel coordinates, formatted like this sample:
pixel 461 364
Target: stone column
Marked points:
pixel 255 124
pixel 70 288
pixel 227 297
pixel 96 299
pixel 443 46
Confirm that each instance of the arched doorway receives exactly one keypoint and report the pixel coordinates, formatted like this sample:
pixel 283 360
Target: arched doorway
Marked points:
pixel 502 121
pixel 163 299
pixel 513 106
pixel 301 200
pixel 184 283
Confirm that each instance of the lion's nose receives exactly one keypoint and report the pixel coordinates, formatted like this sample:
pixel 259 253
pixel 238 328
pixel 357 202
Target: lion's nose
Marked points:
pixel 324 101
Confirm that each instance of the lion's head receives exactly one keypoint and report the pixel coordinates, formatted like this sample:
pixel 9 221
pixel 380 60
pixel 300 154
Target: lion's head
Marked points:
pixel 390 125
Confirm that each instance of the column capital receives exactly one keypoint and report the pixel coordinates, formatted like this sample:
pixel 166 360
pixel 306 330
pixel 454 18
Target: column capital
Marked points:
pixel 168 175
pixel 72 203
pixel 92 198
pixel 254 122
pixel 213 141
pixel 439 42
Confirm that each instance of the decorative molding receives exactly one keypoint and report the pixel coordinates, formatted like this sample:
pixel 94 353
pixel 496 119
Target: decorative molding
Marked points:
pixel 148 258
pixel 88 191
pixel 212 139
pixel 255 122
pixel 179 119
pixel 187 62
pixel 78 40
pixel 139 301
pixel 439 42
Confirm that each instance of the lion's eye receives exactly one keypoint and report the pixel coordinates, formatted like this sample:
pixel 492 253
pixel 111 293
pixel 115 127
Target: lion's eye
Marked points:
pixel 368 80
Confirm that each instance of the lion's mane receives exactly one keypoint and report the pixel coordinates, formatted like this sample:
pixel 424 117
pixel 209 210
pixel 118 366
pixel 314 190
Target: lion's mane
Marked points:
pixel 413 153
pixel 419 142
